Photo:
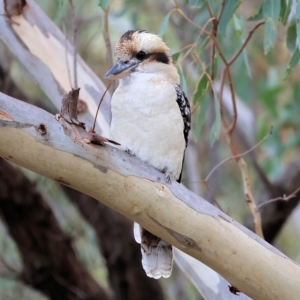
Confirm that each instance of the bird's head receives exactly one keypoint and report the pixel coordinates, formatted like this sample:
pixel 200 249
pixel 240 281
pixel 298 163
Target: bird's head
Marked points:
pixel 138 50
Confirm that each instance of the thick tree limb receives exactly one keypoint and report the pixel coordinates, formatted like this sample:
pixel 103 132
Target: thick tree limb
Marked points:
pixel 142 193
pixel 50 263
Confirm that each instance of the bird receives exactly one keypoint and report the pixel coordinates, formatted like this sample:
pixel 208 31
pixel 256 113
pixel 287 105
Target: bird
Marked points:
pixel 151 119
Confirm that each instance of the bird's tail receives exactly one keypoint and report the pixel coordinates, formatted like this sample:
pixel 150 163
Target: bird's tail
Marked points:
pixel 157 254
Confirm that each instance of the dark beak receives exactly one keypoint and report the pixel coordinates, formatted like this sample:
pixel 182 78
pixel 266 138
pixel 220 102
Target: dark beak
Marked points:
pixel 121 69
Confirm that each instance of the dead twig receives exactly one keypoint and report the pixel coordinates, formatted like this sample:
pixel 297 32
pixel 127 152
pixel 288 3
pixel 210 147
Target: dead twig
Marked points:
pixel 283 198
pixel 74 42
pixel 236 157
pixel 94 125
pixel 250 199
pixel 76 129
pixel 106 37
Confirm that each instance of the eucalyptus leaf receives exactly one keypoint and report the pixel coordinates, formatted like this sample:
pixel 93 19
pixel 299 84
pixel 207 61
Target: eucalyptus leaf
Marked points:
pixel 258 16
pixel 293 62
pixel 287 11
pixel 164 25
pixel 196 3
pixel 103 4
pixel 291 38
pixel 298 23
pixel 201 116
pixel 182 79
pixel 175 57
pixel 271 11
pixel 201 88
pixel 228 11
pixel 216 127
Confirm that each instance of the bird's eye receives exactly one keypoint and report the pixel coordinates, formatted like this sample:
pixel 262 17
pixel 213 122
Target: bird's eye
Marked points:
pixel 141 55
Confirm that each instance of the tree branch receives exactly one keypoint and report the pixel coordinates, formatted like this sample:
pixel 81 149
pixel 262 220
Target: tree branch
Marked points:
pixel 49 261
pixel 143 194
pixel 43 50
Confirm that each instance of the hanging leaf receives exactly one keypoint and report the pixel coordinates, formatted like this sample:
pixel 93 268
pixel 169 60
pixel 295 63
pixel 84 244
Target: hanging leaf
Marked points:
pixel 201 116
pixel 298 23
pixel 164 25
pixel 182 79
pixel 285 10
pixel 291 38
pixel 103 4
pixel 239 26
pixel 196 3
pixel 271 10
pixel 293 62
pixel 175 57
pixel 258 16
pixel 216 127
pixel 201 89
pixel 229 9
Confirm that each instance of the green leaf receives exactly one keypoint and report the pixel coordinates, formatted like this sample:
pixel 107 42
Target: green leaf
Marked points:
pixel 216 127
pixel 258 16
pixel 201 116
pixel 287 11
pixel 229 9
pixel 298 23
pixel 271 10
pixel 283 8
pixel 291 38
pixel 196 3
pixel 293 62
pixel 237 25
pixel 182 79
pixel 164 25
pixel 175 57
pixel 240 29
pixel 103 4
pixel 201 89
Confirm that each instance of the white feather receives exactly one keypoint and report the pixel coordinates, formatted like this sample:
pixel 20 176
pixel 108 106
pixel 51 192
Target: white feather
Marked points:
pixel 158 261
pixel 137 232
pixel 147 121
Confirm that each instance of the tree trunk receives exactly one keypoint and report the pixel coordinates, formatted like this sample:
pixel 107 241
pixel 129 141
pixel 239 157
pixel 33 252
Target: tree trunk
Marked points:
pixel 49 261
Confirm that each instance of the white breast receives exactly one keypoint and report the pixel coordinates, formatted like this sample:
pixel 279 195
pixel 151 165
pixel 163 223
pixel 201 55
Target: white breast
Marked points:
pixel 146 120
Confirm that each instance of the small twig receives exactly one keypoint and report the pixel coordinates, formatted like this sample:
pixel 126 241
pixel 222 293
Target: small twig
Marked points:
pixel 250 199
pixel 106 37
pixel 283 198
pixel 236 55
pixel 238 156
pixel 74 42
pixel 94 125
pixel 209 9
pixel 231 127
pixel 190 21
pixel 213 197
pixel 222 9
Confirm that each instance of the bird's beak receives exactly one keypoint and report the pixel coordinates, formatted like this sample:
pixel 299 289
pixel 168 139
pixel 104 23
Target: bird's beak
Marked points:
pixel 121 69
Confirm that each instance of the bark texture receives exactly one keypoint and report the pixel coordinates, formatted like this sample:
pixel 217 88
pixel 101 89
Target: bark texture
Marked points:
pixel 123 255
pixel 49 261
pixel 142 194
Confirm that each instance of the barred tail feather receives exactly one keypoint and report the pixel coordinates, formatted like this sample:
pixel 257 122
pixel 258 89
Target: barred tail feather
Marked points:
pixel 157 254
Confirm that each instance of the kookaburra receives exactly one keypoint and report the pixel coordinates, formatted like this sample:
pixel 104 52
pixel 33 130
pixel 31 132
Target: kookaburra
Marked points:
pixel 150 119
